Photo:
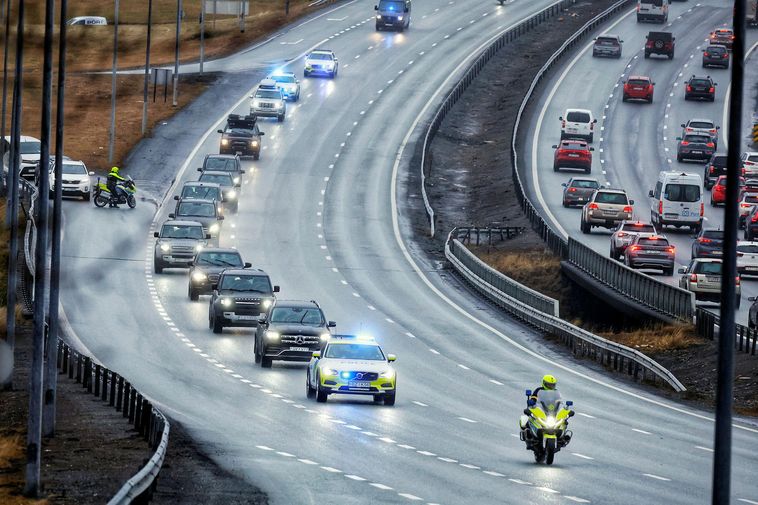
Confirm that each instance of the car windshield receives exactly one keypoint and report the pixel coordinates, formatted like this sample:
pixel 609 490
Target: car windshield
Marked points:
pixel 222 179
pixel 201 192
pixel 354 351
pixel 257 283
pixel 226 259
pixel 578 117
pixel 714 234
pixel 30 147
pixel 658 242
pixel 391 5
pixel 222 164
pixel 297 315
pixel 612 198
pixel 268 93
pixel 607 41
pixel 549 401
pixel 639 228
pixel 747 248
pixel 657 3
pixel 707 267
pixel 700 82
pixel 703 125
pixel 201 209
pixel 74 169
pixel 320 56
pixel 283 78
pixel 174 231
pixel 697 139
pixel 638 82
pixel 585 184
pixel 682 192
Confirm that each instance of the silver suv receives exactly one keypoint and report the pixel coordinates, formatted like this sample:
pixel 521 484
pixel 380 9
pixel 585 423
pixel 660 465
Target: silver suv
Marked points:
pixel 703 277
pixel 268 101
pixel 177 244
pixel 606 209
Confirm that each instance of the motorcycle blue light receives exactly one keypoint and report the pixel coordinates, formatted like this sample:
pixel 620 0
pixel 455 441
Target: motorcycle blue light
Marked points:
pixel 345 375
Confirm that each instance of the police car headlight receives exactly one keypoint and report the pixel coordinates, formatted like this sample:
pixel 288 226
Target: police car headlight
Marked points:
pixel 254 143
pixel 400 18
pixel 199 276
pixel 236 180
pixel 224 142
pixel 231 195
pixel 165 247
pixel 256 103
pixel 272 335
pixel 266 303
pixel 199 247
pixel 324 337
pixel 378 16
pixel 387 374
pixel 226 302
pixel 328 371
pixel 214 228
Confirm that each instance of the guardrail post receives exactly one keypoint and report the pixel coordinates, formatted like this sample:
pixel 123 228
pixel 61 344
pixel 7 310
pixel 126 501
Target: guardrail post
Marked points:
pixel 104 396
pixel 59 356
pixel 66 352
pixel 78 367
pixel 121 401
pixel 132 403
pixel 136 415
pixel 87 380
pixel 112 399
pixel 147 409
pixel 97 380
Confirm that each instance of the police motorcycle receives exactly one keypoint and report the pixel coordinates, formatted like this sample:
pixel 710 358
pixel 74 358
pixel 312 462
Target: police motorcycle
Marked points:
pixel 544 425
pixel 102 195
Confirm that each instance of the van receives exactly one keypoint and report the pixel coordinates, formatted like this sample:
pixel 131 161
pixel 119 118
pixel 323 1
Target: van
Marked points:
pixel 578 124
pixel 677 201
pixel 653 10
pixel 393 14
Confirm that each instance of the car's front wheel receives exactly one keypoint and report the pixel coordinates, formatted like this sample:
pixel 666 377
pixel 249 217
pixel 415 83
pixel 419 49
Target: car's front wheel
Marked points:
pixel 157 267
pixel 389 398
pixel 218 327
pixel 193 294
pixel 309 391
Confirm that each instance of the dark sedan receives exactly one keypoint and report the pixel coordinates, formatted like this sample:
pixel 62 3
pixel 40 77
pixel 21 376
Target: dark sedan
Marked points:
pixel 654 252
pixel 716 56
pixel 578 190
pixel 708 244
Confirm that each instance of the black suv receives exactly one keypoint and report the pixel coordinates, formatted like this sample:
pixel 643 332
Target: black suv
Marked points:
pixel 240 298
pixel 292 331
pixel 224 163
pixel 660 43
pixel 716 56
pixel 207 267
pixel 715 168
pixel 708 244
pixel 700 87
pixel 241 136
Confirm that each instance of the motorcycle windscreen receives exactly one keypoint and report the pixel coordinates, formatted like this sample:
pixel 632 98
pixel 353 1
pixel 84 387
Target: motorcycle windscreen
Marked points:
pixel 549 401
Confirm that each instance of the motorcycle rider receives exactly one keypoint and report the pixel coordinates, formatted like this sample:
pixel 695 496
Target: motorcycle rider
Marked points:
pixel 112 184
pixel 549 383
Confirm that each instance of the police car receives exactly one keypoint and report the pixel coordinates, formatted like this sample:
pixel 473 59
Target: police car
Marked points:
pixel 352 365
pixel 288 84
pixel 321 62
pixel 268 101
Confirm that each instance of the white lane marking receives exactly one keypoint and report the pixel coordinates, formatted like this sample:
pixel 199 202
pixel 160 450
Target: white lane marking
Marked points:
pixel 409 334
pixel 409 496
pixel 581 456
pixel 494 474
pixel 641 431
pixel 353 427
pixel 434 351
pixel 380 486
pixel 541 118
pixel 307 461
pixel 472 467
pixel 467 420
pixel 285 454
pixel 745 500
pixel 547 489
pixel 426 453
pixel 388 440
pixel 264 448
pixel 656 477
pixel 707 449
pixel 369 433
pixel 464 367
pixel 519 481
pixel 355 477
pixel 497 382
pixel 576 499
pixel 331 469
pixel 420 404
pixel 406 446
pixel 447 460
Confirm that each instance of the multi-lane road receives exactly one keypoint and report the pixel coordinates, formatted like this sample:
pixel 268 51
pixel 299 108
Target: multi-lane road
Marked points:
pixel 636 140
pixel 325 213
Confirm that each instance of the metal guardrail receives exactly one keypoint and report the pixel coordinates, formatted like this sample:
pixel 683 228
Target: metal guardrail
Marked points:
pixel 29 198
pixel 707 324
pixel 149 422
pixel 468 77
pixel 668 300
pixel 581 342
pixel 476 235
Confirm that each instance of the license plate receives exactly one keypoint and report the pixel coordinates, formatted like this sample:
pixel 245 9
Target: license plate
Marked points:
pixel 359 384
pixel 305 349
pixel 654 252
pixel 609 213
pixel 247 318
pixel 696 152
pixel 573 155
pixel 711 278
pixel 751 268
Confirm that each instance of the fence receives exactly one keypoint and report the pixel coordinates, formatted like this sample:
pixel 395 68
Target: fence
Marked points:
pixel 468 77
pixel 706 324
pixel 119 393
pixel 581 342
pixel 667 300
pixel 476 234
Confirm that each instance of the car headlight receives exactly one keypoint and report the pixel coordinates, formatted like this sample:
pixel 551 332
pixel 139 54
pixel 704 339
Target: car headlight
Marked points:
pixel 236 180
pixel 324 337
pixel 328 371
pixel 226 302
pixel 254 143
pixel 266 303
pixel 272 335
pixel 85 188
pixel 387 374
pixel 214 228
pixel 224 142
pixel 231 195
pixel 280 105
pixel 400 18
pixel 256 103
pixel 165 247
pixel 199 276
pixel 199 247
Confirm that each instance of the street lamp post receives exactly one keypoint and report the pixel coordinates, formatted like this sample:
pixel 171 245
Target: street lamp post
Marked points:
pixel 112 136
pixel 147 65
pixel 176 49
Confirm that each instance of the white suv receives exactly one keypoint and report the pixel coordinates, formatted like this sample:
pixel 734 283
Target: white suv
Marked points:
pixel 75 177
pixel 268 101
pixel 578 124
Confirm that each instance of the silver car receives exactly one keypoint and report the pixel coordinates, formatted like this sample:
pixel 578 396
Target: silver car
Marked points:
pixel 287 84
pixel 268 101
pixel 177 244
pixel 607 45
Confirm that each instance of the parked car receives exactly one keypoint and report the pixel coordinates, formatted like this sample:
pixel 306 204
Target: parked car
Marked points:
pixel 625 232
pixel 578 190
pixel 75 177
pixel 653 252
pixel 747 258
pixel 573 154
pixel 607 45
pixel 709 243
pixel 715 56
pixel 703 278
pixel 638 87
pixel 660 43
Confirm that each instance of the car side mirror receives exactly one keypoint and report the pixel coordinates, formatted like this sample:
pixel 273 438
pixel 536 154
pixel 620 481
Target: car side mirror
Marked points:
pixel 391 358
pixel 560 118
pixel 316 354
pixel 207 236
pixel 631 202
pixel 247 265
pixel 592 148
pixel 650 193
pixel 220 131
pixel 718 127
pixel 90 173
pixel 276 289
pixel 752 298
pixel 242 171
pixel 653 84
pixel 252 96
pixel 682 125
pixel 172 215
pixel 679 138
pixel 555 147
pixel 406 9
pixel 214 287
pixel 376 7
pixel 199 169
pixel 176 197
pixel 682 270
pixel 261 133
pixel 621 41
pixel 220 218
pixel 156 234
pixel 528 392
pixel 261 320
pixel 594 120
pixel 564 184
pixel 331 324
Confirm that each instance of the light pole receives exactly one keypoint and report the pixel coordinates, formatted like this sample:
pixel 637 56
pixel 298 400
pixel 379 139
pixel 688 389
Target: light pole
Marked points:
pixel 112 136
pixel 6 36
pixel 147 65
pixel 202 35
pixel 176 49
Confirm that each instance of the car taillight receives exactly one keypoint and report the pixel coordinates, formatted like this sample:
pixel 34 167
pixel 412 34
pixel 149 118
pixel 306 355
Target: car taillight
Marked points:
pixel 704 240
pixel 754 219
pixel 572 190
pixel 713 169
pixel 693 277
pixel 706 54
pixel 685 142
pixel 743 171
pixel 660 208
pixel 689 88
pixel 621 234
pixel 634 248
pixel 711 144
pixel 563 124
pixel 712 90
pixel 593 206
pixel 670 249
pixel 745 205
pixel 702 209
pixel 726 55
pixel 736 281
pixel 712 130
pixel 628 208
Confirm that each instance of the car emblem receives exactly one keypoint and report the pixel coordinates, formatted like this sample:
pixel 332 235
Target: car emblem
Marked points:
pixel 359 375
pixel 300 340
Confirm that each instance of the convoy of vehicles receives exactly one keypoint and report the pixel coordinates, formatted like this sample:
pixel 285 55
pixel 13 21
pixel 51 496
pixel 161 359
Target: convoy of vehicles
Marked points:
pixel 240 297
pixel 241 136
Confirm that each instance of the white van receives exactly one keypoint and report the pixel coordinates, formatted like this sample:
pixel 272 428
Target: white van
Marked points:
pixel 653 10
pixel 677 201
pixel 578 124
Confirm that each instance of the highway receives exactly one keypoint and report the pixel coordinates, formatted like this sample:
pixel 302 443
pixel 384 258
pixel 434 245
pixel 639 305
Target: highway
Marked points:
pixel 636 140
pixel 326 213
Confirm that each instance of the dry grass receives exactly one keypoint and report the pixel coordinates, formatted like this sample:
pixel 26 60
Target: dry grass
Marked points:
pixel 11 471
pixel 656 338
pixel 538 270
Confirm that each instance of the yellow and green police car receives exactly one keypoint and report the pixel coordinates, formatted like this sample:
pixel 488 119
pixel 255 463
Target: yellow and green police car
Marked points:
pixel 354 366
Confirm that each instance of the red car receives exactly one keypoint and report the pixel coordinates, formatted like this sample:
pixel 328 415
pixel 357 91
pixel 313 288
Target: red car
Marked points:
pixel 718 192
pixel 638 87
pixel 573 154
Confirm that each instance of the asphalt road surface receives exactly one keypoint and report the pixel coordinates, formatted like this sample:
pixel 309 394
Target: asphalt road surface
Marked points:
pixel 324 213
